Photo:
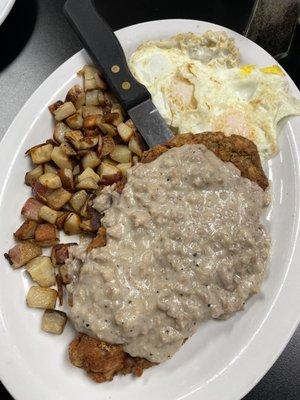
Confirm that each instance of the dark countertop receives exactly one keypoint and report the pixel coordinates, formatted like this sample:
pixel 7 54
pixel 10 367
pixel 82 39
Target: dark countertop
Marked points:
pixel 35 39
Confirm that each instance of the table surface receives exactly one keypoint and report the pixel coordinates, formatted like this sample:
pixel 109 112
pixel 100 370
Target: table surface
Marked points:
pixel 35 39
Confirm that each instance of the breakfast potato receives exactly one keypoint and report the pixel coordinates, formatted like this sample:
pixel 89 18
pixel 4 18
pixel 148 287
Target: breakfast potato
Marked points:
pixel 91 97
pixel 90 160
pixel 59 132
pixel 26 230
pixel 107 146
pixel 121 154
pixel 32 176
pixel 60 221
pixel 95 218
pixel 58 198
pixel 91 110
pixel 92 121
pixel 86 225
pixel 92 79
pixel 50 180
pixel 31 209
pixel 76 170
pixel 87 184
pixel 78 199
pixel 99 240
pixel 60 253
pixel 41 271
pixel 72 224
pixel 108 129
pixel 109 174
pixel 82 142
pixel 84 212
pixel 88 173
pixel 63 272
pixel 135 160
pixel 53 107
pixel 124 167
pixel 67 179
pixel 47 214
pixel 75 121
pixel 135 145
pixel 59 157
pixel 54 321
pixel 40 192
pixel 39 297
pixel 22 253
pixel 125 132
pixel 68 149
pixel 50 168
pixel 46 235
pixel 41 153
pixel 64 111
pixel 76 95
pixel 60 289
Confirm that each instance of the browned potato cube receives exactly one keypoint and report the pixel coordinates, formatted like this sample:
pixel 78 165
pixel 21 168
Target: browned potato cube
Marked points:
pixel 75 121
pixel 23 252
pixel 46 235
pixel 60 253
pixel 58 198
pixel 109 174
pixel 91 98
pixel 72 224
pixel 49 168
pixel 59 132
pixel 108 146
pixel 26 230
pixel 50 180
pixel 86 225
pixel 66 176
pixel 41 192
pixel 47 214
pixel 31 209
pixel 55 106
pixel 87 184
pixel 41 271
pixel 88 173
pixel 76 95
pixel 41 154
pixel 60 158
pixel 61 219
pixel 125 132
pixel 92 79
pixel 76 170
pixel 38 297
pixel 99 240
pixel 54 321
pixel 108 129
pixel 124 167
pixel 32 176
pixel 81 142
pixel 90 160
pixel 63 272
pixel 121 154
pixel 64 111
pixel 135 145
pixel 91 110
pixel 68 149
pixel 78 199
pixel 92 121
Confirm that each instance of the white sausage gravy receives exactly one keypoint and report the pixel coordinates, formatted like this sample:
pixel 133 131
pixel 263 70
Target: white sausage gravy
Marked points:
pixel 184 244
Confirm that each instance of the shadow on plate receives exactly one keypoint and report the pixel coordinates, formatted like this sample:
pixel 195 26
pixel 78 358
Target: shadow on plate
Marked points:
pixel 16 30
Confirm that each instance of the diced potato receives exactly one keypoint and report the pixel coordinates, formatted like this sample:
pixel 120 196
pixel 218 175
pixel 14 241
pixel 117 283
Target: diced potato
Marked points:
pixel 49 168
pixel 49 215
pixel 76 95
pixel 135 159
pixel 76 170
pixel 124 167
pixel 54 321
pixel 26 230
pixel 68 149
pixel 61 219
pixel 92 79
pixel 41 271
pixel 46 235
pixel 38 297
pixel 130 123
pixel 41 154
pixel 92 121
pixel 109 174
pixel 108 160
pixel 121 154
pixel 31 209
pixel 59 132
pixel 95 218
pixel 60 288
pixel 22 253
pixel 86 225
pixel 84 211
pixel 63 272
pixel 40 192
pixel 32 176
pixel 99 240
pixel 60 158
pixel 78 199
pixel 117 113
pixel 60 253
pixel 50 180
pixel 66 177
pixel 72 224
pixel 80 141
pixel 87 184
pixel 64 111
pixel 90 160
pixel 125 132
pixel 91 110
pixel 55 106
pixel 108 146
pixel 75 121
pixel 58 198
pixel 91 98
pixel 108 129
pixel 135 146
pixel 88 173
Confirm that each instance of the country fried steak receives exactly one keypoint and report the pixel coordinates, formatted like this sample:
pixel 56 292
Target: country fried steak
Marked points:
pixel 102 361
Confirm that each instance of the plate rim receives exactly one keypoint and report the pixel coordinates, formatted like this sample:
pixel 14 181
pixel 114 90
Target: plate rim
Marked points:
pixel 6 10
pixel 239 390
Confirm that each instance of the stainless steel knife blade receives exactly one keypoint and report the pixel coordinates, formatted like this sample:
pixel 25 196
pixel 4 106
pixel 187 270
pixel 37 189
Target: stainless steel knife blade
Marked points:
pixel 150 123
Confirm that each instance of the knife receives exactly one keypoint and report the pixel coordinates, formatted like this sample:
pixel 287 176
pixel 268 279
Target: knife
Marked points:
pixel 106 52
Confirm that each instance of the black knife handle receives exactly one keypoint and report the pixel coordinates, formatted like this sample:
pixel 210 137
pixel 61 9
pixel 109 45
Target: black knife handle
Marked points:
pixel 106 52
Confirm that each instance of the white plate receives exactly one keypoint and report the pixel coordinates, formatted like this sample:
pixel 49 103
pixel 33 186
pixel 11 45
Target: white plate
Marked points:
pixel 224 360
pixel 5 7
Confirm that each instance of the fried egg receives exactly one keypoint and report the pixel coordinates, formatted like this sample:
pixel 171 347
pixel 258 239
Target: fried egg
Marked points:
pixel 198 85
